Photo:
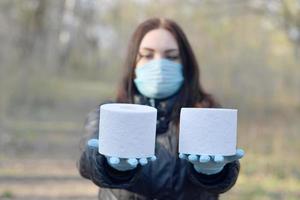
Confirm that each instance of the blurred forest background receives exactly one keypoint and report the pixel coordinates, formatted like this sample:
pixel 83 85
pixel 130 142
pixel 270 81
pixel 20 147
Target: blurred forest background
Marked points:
pixel 60 58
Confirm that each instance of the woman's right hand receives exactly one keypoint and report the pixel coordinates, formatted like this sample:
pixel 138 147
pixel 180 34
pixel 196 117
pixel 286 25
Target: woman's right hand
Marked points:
pixel 121 164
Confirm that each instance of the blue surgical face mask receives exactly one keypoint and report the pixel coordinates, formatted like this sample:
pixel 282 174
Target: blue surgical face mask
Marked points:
pixel 159 78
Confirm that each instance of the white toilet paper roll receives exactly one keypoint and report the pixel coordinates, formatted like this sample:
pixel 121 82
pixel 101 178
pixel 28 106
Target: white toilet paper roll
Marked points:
pixel 127 130
pixel 208 131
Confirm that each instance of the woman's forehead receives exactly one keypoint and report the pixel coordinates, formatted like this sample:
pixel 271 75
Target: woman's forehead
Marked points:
pixel 158 40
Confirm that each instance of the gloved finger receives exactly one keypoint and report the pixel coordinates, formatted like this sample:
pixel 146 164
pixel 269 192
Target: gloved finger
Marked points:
pixel 143 161
pixel 113 160
pixel 182 156
pixel 204 158
pixel 193 158
pixel 238 155
pixel 93 143
pixel 153 158
pixel 218 158
pixel 132 161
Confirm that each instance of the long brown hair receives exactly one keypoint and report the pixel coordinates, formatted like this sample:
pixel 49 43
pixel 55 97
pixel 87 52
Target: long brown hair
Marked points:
pixel 191 93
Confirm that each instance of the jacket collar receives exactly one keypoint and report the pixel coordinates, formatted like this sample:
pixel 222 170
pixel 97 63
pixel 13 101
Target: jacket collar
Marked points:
pixel 164 109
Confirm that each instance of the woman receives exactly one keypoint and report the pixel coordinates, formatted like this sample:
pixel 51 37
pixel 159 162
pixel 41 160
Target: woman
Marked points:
pixel 161 72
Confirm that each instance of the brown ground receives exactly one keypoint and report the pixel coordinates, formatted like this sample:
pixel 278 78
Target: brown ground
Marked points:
pixel 43 179
pixel 38 161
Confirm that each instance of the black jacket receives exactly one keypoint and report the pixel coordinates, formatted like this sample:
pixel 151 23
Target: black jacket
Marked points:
pixel 166 178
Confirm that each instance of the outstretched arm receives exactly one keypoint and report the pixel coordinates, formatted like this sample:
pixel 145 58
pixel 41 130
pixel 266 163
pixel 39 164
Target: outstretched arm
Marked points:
pixel 216 174
pixel 103 171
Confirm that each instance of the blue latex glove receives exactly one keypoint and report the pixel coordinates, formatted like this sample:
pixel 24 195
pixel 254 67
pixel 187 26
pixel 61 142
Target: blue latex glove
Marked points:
pixel 122 164
pixel 208 165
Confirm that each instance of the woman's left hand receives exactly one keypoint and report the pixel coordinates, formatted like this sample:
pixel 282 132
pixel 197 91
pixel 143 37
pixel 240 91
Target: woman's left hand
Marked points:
pixel 121 164
pixel 211 164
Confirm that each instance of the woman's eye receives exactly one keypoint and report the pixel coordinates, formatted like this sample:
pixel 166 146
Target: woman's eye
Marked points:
pixel 147 56
pixel 172 57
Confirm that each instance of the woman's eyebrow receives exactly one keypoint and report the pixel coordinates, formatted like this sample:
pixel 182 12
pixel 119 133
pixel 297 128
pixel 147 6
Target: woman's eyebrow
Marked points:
pixel 166 51
pixel 170 50
pixel 147 48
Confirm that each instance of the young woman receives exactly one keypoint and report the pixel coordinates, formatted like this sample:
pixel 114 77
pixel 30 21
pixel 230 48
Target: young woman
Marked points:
pixel 161 71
